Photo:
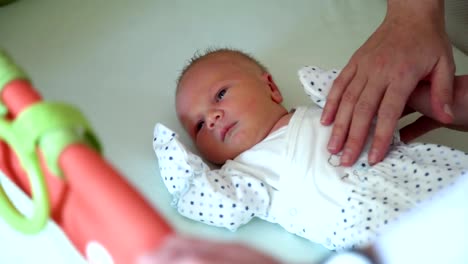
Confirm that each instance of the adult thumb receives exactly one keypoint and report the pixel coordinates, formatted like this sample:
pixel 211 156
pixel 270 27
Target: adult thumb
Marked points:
pixel 421 126
pixel 442 91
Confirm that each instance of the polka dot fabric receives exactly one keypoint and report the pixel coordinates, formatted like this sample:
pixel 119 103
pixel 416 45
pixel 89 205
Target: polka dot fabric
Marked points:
pixel 175 170
pixel 409 175
pixel 225 197
pixel 317 83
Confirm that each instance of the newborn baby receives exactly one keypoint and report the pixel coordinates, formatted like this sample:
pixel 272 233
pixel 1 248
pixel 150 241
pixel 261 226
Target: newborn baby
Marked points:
pixel 274 163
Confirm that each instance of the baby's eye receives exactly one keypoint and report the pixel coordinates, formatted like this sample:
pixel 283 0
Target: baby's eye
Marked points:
pixel 199 126
pixel 220 94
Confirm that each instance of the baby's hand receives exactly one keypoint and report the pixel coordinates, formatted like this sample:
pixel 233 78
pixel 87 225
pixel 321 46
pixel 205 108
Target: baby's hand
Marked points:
pixel 172 159
pixel 162 135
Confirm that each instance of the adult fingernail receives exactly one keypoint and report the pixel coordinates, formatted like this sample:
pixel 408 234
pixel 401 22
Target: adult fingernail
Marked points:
pixel 333 143
pixel 448 110
pixel 373 156
pixel 346 157
pixel 323 119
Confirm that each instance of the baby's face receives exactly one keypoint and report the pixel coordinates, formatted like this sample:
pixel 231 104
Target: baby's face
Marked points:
pixel 227 105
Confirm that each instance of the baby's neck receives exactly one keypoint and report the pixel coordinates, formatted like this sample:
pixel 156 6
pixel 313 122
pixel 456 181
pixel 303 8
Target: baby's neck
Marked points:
pixel 283 121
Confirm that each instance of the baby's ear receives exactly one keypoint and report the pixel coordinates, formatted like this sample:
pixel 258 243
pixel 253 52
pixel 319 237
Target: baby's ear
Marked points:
pixel 275 93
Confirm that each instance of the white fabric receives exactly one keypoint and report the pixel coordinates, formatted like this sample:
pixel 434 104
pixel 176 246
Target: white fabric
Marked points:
pixel 290 178
pixel 264 160
pixel 438 233
pixel 317 82
pixel 225 197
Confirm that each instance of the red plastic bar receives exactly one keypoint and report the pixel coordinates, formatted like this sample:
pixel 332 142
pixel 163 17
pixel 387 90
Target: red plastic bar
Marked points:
pixel 94 205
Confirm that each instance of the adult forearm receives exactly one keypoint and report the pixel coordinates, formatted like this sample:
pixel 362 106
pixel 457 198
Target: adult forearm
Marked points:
pixel 431 11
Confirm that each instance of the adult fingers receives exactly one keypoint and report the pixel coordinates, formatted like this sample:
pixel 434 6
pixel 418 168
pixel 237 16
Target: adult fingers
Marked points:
pixel 442 90
pixel 407 111
pixel 185 250
pixel 177 250
pixel 460 105
pixel 344 114
pixel 337 90
pixel 363 115
pixel 421 126
pixel 390 110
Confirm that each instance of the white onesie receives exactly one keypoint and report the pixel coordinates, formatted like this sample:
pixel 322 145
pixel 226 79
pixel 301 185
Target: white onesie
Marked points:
pixel 289 178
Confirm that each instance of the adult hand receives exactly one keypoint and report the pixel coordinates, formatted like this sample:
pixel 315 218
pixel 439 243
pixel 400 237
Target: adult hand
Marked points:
pixel 183 250
pixel 423 125
pixel 410 45
pixel 418 100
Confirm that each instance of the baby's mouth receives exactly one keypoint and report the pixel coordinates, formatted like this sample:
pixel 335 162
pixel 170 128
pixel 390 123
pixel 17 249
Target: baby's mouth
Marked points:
pixel 226 130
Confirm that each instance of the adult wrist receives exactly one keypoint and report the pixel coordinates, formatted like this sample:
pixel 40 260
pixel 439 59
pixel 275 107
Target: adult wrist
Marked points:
pixel 430 11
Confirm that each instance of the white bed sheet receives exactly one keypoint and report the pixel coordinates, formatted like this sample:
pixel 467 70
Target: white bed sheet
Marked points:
pixel 118 60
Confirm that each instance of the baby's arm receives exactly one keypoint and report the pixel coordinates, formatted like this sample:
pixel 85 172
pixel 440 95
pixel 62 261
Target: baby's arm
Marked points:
pixel 225 197
pixel 420 100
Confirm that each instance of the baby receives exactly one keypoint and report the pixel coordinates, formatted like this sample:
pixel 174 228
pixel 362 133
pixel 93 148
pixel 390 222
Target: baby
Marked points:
pixel 275 164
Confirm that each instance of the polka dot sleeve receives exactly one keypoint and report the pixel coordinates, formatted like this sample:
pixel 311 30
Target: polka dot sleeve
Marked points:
pixel 225 197
pixel 317 83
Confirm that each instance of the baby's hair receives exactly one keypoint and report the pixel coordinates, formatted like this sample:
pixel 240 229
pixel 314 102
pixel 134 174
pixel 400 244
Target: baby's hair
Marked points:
pixel 199 55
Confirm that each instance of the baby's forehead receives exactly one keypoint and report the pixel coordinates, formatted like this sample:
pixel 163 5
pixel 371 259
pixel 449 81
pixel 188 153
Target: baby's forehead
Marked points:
pixel 213 65
pixel 219 61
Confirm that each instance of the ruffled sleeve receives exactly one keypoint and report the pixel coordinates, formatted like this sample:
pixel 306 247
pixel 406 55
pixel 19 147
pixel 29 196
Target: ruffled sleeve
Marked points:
pixel 317 83
pixel 224 197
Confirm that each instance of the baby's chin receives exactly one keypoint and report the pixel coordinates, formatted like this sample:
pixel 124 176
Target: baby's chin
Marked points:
pixel 229 150
pixel 221 156
pixel 221 159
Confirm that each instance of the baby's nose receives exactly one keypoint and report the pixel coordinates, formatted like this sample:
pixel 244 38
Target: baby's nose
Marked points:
pixel 214 117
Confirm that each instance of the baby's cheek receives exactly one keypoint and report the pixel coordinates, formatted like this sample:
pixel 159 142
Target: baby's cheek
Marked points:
pixel 249 105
